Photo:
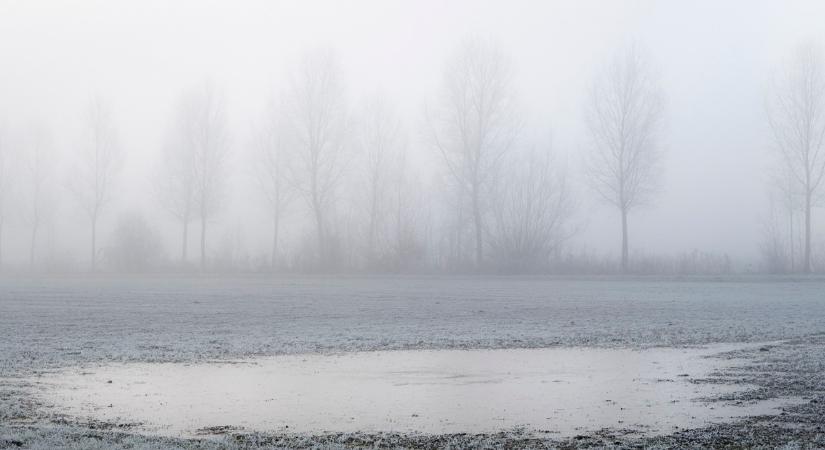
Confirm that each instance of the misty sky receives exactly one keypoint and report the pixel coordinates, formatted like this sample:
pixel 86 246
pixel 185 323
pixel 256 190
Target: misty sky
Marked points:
pixel 714 59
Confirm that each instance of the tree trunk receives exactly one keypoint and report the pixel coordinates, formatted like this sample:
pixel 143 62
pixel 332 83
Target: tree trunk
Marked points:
pixel 791 241
pixel 399 236
pixel 807 264
pixel 624 240
pixel 203 243
pixel 478 230
pixel 319 215
pixel 274 256
pixel 185 241
pixel 372 225
pixel 371 241
pixel 32 246
pixel 319 223
pixel 94 242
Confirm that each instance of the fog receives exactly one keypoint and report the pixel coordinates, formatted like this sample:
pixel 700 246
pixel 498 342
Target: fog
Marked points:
pixel 383 83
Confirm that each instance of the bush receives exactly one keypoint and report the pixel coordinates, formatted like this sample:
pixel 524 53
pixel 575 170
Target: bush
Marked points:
pixel 135 245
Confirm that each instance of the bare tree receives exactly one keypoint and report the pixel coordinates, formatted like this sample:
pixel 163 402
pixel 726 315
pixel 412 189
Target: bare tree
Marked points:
pixel 796 114
pixel 317 117
pixel 785 190
pixel 39 167
pixel 456 248
pixel 381 142
pixel 6 174
pixel 99 162
pixel 773 249
pixel 176 183
pixel 531 211
pixel 407 204
pixel 209 135
pixel 269 165
pixel 195 162
pixel 624 118
pixel 475 124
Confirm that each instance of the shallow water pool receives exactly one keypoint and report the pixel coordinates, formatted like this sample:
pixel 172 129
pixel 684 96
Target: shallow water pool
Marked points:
pixel 564 391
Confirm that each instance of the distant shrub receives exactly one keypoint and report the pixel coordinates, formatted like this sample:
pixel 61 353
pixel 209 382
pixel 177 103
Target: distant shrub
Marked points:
pixel 135 246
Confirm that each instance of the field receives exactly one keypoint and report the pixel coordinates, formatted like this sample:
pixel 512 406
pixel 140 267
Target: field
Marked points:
pixel 49 324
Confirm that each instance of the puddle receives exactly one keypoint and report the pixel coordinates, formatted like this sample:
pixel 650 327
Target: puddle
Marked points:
pixel 565 391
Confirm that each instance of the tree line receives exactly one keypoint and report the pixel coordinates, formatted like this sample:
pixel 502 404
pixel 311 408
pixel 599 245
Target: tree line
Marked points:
pixel 503 199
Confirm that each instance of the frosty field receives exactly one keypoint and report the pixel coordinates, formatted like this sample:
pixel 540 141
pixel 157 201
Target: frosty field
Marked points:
pixel 58 329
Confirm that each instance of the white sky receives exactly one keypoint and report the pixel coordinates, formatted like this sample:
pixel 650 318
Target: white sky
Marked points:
pixel 714 59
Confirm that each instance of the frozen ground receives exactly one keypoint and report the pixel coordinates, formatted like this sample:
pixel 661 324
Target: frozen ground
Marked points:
pixel 55 322
pixel 49 324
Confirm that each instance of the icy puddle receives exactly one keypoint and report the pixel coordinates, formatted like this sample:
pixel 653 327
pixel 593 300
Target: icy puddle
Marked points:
pixel 565 391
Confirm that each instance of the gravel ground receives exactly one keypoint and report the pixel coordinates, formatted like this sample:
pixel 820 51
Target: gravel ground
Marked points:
pixel 57 322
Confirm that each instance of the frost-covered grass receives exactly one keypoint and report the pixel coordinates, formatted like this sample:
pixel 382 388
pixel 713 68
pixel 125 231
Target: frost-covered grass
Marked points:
pixel 58 321
pixel 47 323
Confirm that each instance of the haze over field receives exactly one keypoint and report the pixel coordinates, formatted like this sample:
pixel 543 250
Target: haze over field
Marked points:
pixel 412 224
pixel 148 70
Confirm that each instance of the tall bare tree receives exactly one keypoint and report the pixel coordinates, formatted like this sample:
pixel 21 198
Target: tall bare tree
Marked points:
pixel 6 184
pixel 317 116
pixel 475 124
pixel 624 118
pixel 269 165
pixel 407 215
pixel 773 248
pixel 98 165
pixel 209 134
pixel 195 161
pixel 796 114
pixel 381 142
pixel 39 168
pixel 786 192
pixel 176 181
